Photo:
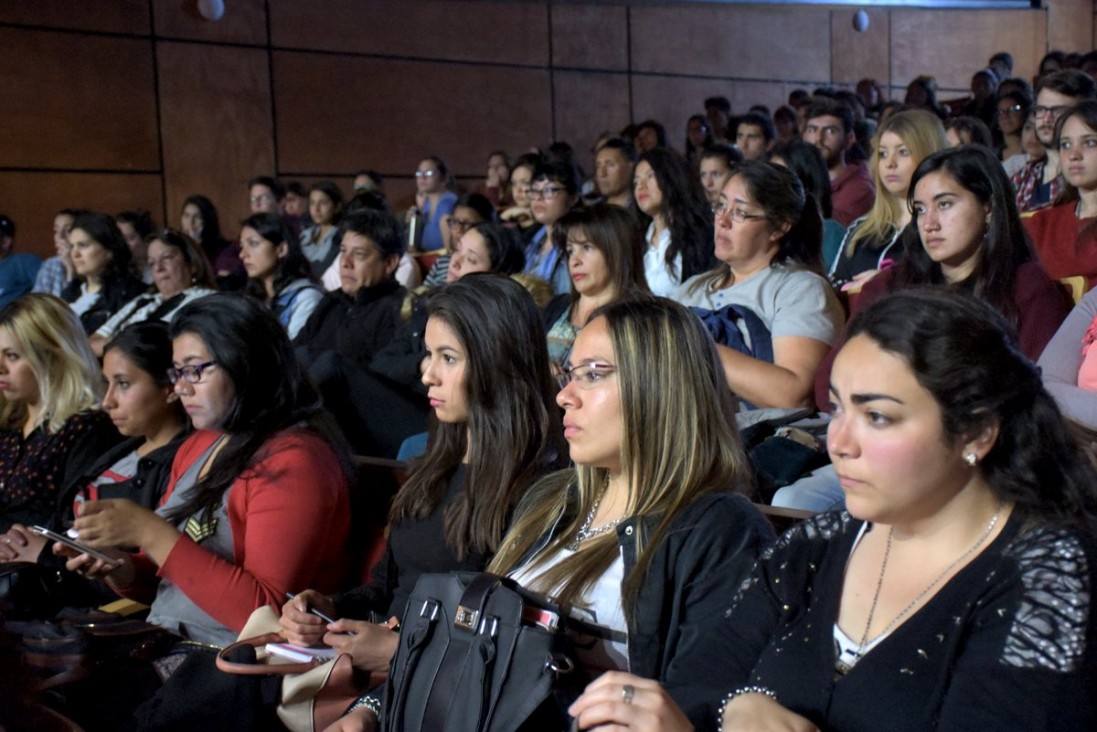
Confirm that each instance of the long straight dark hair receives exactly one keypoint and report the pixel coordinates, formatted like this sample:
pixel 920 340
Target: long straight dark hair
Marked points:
pixel 1006 245
pixel 514 431
pixel 689 216
pixel 272 392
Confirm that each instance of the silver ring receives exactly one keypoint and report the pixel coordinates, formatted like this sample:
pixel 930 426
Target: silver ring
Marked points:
pixel 627 692
pixel 7 540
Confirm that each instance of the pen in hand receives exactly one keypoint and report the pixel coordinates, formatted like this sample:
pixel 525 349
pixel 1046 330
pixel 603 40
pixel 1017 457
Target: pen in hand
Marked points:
pixel 314 611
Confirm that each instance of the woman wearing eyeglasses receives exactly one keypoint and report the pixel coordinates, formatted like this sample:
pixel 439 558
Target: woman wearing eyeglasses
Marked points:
pixel 257 502
pixel 784 315
pixel 1013 110
pixel 554 192
pixel 434 201
pixel 649 533
pixel 180 272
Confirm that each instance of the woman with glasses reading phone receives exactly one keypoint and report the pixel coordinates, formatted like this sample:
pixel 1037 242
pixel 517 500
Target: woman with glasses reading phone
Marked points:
pixel 768 240
pixel 257 502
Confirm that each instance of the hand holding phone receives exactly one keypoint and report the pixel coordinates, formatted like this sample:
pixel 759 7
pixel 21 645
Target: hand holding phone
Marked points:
pixel 75 545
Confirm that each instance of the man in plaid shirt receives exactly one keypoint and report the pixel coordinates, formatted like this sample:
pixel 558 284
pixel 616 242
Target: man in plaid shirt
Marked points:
pixel 1039 182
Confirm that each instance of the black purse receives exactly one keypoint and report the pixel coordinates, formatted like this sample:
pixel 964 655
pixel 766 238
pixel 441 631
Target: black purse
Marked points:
pixel 478 653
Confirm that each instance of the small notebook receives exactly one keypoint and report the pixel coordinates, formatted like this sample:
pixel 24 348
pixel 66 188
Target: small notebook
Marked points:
pixel 301 655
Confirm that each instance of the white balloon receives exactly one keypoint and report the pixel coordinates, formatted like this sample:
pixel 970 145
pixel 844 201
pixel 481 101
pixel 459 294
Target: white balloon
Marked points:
pixel 860 21
pixel 212 9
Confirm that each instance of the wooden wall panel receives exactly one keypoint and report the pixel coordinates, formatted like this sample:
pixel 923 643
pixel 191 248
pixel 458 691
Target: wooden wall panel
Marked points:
pixel 116 16
pixel 734 41
pixel 855 55
pixel 590 37
pixel 244 21
pixel 374 113
pixel 586 105
pixel 499 32
pixel 32 200
pixel 216 111
pixel 98 113
pixel 1070 25
pixel 918 45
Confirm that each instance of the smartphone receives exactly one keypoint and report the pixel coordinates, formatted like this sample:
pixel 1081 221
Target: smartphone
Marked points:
pixel 74 544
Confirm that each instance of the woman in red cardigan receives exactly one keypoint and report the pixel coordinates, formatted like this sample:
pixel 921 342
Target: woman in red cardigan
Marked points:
pixel 257 504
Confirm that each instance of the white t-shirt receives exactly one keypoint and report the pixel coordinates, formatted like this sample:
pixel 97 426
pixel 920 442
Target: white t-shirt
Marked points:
pixel 663 280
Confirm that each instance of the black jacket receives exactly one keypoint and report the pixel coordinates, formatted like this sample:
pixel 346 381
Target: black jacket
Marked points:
pixel 706 555
pixel 355 328
pixel 115 293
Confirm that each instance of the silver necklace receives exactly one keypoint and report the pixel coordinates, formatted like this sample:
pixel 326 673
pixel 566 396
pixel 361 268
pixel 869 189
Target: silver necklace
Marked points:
pixel 914 603
pixel 588 532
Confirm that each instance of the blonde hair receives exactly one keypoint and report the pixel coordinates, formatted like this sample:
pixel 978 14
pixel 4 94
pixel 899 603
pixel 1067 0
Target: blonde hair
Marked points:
pixel 46 332
pixel 680 384
pixel 923 134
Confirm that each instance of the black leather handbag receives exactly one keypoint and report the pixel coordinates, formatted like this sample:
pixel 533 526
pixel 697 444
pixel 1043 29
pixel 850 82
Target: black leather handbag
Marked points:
pixel 478 653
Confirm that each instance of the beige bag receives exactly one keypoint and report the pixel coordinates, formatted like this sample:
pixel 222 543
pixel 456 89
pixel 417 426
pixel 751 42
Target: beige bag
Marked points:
pixel 314 693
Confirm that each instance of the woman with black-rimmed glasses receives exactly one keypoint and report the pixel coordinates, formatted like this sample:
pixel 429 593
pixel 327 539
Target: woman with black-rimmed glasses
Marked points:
pixel 257 503
pixel 768 240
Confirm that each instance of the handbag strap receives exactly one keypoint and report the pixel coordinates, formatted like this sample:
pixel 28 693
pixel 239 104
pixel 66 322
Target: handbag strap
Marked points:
pixel 471 606
pixel 260 669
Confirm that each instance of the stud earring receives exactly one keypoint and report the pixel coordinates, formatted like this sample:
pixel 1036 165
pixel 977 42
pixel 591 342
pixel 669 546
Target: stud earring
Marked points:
pixel 971 459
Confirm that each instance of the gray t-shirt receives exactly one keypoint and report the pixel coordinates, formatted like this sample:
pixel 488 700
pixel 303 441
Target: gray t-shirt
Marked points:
pixel 172 609
pixel 790 301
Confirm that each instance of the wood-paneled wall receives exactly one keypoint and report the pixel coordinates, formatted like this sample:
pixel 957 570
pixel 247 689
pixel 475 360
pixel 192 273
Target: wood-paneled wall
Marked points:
pixel 140 103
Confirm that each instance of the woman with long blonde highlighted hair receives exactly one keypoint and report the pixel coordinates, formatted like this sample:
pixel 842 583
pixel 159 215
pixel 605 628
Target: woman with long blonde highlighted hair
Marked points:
pixel 903 141
pixel 50 424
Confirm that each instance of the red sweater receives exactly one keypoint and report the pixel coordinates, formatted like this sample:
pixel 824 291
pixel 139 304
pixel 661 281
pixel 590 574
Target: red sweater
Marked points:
pixel 1065 244
pixel 290 517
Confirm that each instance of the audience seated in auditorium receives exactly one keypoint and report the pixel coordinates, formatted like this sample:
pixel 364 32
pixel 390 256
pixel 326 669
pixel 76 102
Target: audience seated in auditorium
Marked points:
pixel 1039 182
pixel 554 192
pixel 18 270
pixel 902 142
pixel 952 595
pixel 984 90
pixel 718 112
pixel 519 213
pixel 614 164
pixel 1013 109
pixel 922 94
pixel 783 314
pixel 200 221
pixel 755 135
pixel 103 280
pixel 387 402
pixel 266 195
pixel 967 130
pixel 604 248
pixel 359 319
pixel 1065 234
pixel 143 406
pixel 317 241
pixel 279 275
pixel 650 135
pixel 56 271
pixel 469 210
pixel 698 137
pixel 717 163
pixel 966 234
pixel 434 199
pixel 494 432
pixel 136 227
pixel 180 274
pixel 829 126
pixel 647 537
pixel 679 237
pixel 51 429
pixel 807 163
pixel 496 186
